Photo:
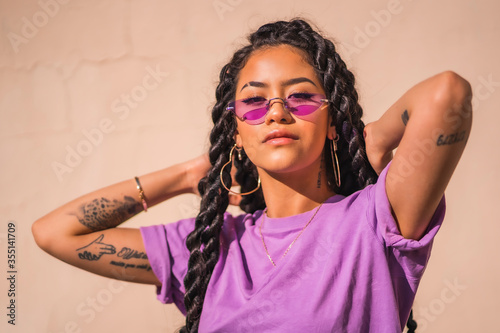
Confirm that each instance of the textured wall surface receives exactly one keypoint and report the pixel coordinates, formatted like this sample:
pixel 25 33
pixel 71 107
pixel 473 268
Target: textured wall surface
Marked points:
pixel 94 92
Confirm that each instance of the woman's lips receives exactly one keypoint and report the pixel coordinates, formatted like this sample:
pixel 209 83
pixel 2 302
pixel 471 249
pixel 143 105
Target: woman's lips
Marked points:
pixel 279 137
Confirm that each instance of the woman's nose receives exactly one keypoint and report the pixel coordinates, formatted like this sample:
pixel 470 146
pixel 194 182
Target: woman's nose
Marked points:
pixel 278 113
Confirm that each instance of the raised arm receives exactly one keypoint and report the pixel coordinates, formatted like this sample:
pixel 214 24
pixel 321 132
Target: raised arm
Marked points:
pixel 82 232
pixel 429 125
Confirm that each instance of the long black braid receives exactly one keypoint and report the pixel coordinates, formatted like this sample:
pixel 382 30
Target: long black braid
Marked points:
pixel 345 111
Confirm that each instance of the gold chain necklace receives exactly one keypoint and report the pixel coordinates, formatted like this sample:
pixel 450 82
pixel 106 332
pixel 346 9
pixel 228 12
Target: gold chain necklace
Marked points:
pixel 290 246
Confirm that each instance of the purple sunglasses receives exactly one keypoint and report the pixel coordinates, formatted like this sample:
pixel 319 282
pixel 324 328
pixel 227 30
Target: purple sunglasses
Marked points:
pixel 253 110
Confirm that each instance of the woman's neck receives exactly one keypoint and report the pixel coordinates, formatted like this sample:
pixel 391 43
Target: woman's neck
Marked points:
pixel 294 193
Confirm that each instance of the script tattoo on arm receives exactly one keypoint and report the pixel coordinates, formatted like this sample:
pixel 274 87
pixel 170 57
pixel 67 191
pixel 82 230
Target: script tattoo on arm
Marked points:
pixel 451 139
pixel 95 250
pixel 405 117
pixel 102 213
pixel 124 265
pixel 127 253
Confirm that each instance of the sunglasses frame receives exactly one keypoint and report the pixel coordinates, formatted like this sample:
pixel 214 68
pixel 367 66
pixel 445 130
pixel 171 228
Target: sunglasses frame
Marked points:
pixel 232 107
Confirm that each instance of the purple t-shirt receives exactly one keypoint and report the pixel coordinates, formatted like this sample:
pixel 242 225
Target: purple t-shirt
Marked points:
pixel 349 271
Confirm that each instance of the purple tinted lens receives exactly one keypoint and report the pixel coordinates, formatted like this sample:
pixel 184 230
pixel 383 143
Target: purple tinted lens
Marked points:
pixel 304 110
pixel 254 112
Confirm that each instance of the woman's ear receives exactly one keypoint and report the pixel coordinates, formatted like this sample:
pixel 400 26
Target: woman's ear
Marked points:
pixel 332 131
pixel 237 139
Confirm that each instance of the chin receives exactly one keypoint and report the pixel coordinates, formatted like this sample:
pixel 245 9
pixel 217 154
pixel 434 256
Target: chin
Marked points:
pixel 282 165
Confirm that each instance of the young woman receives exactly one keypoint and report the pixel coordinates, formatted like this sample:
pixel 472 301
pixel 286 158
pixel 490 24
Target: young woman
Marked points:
pixel 336 232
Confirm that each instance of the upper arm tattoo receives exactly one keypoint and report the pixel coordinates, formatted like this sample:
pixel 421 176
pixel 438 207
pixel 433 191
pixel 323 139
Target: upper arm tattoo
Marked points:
pixel 451 139
pixel 405 117
pixel 102 213
pixel 97 248
pixel 127 253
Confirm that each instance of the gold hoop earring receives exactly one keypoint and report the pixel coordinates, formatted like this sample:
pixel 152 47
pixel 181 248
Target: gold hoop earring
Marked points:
pixel 230 161
pixel 335 162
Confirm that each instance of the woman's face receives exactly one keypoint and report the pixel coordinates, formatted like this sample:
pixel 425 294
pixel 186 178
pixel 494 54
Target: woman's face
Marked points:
pixel 283 143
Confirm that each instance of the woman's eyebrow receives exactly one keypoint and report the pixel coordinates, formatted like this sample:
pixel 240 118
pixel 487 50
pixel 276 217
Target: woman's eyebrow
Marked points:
pixel 254 84
pixel 286 83
pixel 297 80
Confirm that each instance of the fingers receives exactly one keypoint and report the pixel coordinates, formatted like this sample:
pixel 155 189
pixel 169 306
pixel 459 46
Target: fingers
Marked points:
pixel 233 175
pixel 98 239
pixel 197 168
pixel 234 199
pixel 103 247
pixel 107 249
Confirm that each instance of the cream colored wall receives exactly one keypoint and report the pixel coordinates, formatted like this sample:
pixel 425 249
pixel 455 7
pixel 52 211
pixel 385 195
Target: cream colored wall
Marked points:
pixel 67 68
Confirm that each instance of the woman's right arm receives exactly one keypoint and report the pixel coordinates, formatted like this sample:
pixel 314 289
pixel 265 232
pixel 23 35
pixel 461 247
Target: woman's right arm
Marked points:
pixel 82 232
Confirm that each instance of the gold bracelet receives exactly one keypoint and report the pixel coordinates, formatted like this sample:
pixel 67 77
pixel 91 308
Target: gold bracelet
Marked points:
pixel 141 194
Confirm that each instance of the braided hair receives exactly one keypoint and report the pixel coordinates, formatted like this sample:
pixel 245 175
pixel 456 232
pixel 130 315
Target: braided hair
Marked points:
pixel 356 172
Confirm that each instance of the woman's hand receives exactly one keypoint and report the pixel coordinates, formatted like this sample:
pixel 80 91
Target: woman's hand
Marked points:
pixel 197 168
pixel 378 155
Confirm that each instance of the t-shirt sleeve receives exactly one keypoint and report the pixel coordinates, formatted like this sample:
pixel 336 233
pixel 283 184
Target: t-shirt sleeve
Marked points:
pixel 168 256
pixel 409 257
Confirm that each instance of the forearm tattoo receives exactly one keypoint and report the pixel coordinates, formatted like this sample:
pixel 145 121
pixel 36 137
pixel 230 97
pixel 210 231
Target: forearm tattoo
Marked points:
pixel 100 214
pixel 405 117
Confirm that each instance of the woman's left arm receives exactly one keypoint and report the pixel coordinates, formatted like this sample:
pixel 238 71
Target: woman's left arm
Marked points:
pixel 429 125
